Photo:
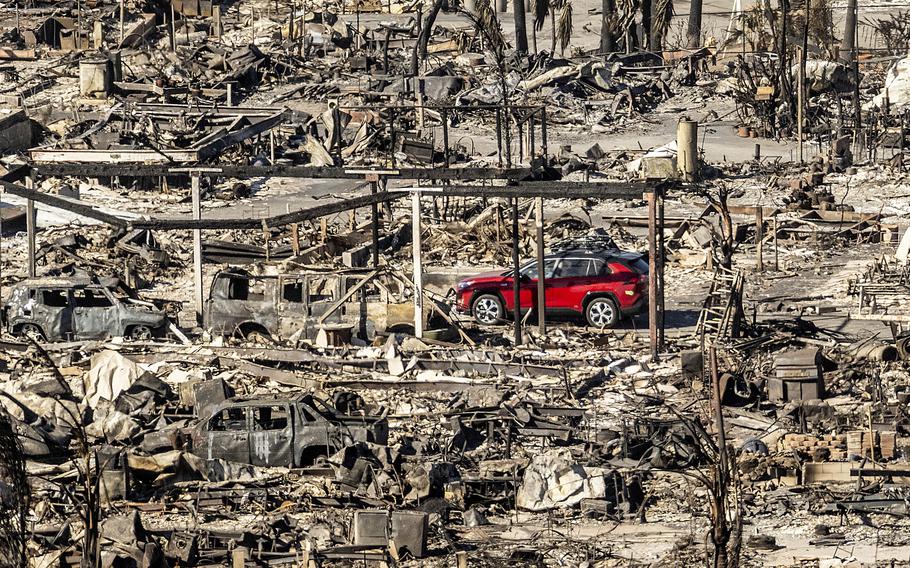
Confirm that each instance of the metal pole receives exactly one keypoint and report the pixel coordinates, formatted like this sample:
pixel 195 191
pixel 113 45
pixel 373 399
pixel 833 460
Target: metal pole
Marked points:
pixel 541 277
pixel 543 133
pixel 776 265
pixel 801 95
pixel 652 273
pixel 516 282
pixel 374 211
pixel 759 226
pixel 499 135
pixel 418 267
pixel 31 222
pixel 197 250
pixel 661 255
pixel 122 16
pixel 445 136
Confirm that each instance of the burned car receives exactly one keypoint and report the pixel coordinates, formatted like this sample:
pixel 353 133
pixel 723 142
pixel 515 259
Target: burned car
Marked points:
pixel 283 430
pixel 61 309
pixel 367 301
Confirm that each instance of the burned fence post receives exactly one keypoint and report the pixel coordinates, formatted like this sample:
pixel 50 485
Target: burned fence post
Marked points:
pixel 31 221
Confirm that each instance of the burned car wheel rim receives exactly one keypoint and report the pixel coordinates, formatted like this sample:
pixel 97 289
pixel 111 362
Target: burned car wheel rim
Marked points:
pixel 141 333
pixel 486 310
pixel 601 313
pixel 32 332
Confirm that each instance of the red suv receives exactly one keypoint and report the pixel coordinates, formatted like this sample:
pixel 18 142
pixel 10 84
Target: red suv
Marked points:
pixel 602 285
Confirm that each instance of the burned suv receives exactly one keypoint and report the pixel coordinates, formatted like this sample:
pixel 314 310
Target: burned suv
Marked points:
pixel 61 309
pixel 278 306
pixel 288 430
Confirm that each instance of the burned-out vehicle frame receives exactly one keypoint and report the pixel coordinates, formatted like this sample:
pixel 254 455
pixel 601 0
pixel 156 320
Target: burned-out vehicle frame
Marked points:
pixel 282 430
pixel 279 306
pixel 61 309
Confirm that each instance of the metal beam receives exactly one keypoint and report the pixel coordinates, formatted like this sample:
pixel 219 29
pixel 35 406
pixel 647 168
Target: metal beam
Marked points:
pixel 71 205
pixel 554 190
pixel 59 169
pixel 276 221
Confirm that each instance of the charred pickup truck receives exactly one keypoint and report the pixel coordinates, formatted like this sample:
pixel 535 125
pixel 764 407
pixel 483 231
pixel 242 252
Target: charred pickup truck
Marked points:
pixel 282 430
pixel 61 309
pixel 278 306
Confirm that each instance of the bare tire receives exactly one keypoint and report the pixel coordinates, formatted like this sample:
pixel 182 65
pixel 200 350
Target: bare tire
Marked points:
pixel 487 309
pixel 141 333
pixel 32 332
pixel 602 313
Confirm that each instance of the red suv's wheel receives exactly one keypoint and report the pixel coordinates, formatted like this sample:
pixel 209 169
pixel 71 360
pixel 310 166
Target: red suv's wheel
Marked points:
pixel 602 313
pixel 488 309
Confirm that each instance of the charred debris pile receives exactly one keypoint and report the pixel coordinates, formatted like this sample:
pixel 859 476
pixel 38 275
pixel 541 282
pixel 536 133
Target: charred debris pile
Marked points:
pixel 427 283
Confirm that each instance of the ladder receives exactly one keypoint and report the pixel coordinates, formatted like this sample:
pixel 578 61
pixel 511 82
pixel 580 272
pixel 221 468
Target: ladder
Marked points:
pixel 720 308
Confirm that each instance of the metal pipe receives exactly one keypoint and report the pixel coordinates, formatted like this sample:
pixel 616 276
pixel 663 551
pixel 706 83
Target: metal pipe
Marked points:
pixel 516 281
pixel 652 273
pixel 541 276
pixel 374 222
pixel 418 266
pixel 197 250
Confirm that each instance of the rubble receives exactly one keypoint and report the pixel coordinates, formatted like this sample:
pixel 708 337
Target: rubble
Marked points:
pixel 400 283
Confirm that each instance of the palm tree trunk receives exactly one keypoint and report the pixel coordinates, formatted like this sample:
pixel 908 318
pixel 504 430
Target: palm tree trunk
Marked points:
pixel 521 28
pixel 552 30
pixel 646 24
pixel 423 40
pixel 607 41
pixel 694 30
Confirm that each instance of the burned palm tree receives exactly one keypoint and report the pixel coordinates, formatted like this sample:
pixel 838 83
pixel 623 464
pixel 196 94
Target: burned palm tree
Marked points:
pixel 560 14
